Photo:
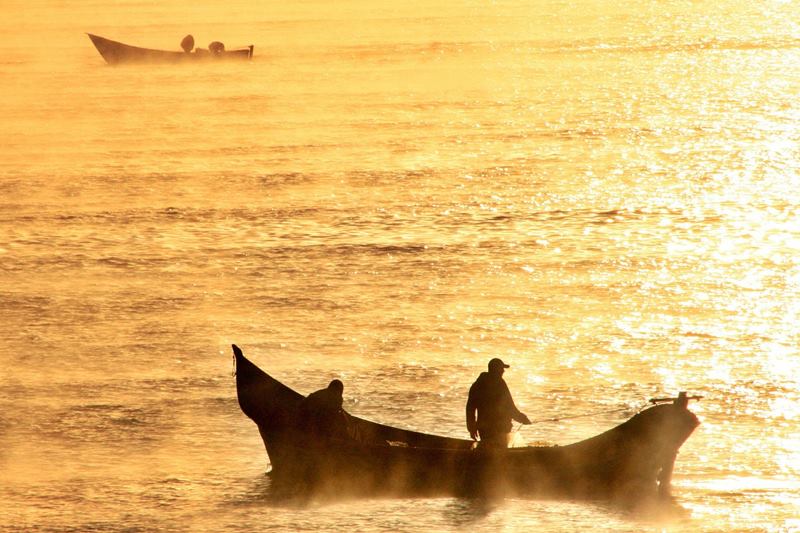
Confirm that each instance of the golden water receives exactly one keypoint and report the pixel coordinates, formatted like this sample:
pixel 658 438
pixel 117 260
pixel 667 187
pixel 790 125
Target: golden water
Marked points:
pixel 603 193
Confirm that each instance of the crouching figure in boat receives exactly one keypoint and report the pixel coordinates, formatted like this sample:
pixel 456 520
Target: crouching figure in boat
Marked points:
pixel 321 413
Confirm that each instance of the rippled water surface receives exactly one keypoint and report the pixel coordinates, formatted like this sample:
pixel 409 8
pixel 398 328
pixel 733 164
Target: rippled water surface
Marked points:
pixel 602 193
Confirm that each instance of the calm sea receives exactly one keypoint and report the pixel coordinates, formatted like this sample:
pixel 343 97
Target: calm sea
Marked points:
pixel 604 193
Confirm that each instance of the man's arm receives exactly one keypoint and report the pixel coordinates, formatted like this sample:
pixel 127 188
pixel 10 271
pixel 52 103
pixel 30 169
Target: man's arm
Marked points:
pixel 521 417
pixel 516 414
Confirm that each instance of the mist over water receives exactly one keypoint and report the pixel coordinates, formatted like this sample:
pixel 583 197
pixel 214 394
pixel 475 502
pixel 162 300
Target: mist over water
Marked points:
pixel 604 194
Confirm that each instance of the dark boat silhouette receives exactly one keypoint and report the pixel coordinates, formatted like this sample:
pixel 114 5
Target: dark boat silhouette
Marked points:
pixel 115 53
pixel 630 462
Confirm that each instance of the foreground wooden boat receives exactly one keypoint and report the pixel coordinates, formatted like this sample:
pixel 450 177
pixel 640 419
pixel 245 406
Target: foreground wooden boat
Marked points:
pixel 115 53
pixel 631 461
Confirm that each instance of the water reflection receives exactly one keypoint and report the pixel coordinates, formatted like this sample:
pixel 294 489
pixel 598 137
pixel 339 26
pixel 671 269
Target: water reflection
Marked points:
pixel 467 512
pixel 257 498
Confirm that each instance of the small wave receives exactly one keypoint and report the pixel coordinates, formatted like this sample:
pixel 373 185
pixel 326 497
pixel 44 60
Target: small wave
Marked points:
pixel 109 423
pixel 298 302
pixel 367 249
pixel 700 335
pixel 671 46
pixel 17 301
pixel 282 179
pixel 397 52
pixel 394 52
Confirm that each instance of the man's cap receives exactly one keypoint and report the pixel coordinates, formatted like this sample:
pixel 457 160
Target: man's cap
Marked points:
pixel 497 363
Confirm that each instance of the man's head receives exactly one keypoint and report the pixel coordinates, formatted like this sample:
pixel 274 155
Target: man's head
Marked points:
pixel 336 386
pixel 497 367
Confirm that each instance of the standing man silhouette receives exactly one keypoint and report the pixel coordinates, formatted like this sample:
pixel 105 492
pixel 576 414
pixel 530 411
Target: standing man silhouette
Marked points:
pixel 490 398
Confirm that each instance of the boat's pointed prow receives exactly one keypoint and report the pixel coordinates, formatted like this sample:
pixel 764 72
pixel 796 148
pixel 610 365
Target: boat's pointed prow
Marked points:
pixel 237 351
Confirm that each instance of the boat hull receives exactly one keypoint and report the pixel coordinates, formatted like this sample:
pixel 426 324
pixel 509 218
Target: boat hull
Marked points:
pixel 116 53
pixel 631 461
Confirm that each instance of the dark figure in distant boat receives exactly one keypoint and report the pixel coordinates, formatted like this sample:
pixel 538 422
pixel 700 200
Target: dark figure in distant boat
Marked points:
pixel 187 44
pixel 490 398
pixel 216 48
pixel 322 412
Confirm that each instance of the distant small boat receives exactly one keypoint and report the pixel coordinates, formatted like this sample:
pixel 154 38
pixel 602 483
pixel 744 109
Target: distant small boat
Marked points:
pixel 631 461
pixel 115 53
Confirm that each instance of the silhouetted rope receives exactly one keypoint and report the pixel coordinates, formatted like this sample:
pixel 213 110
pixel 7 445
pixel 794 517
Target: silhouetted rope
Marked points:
pixel 583 415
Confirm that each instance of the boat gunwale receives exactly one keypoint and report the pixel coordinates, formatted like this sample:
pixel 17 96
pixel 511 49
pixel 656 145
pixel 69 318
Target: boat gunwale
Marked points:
pixel 468 444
